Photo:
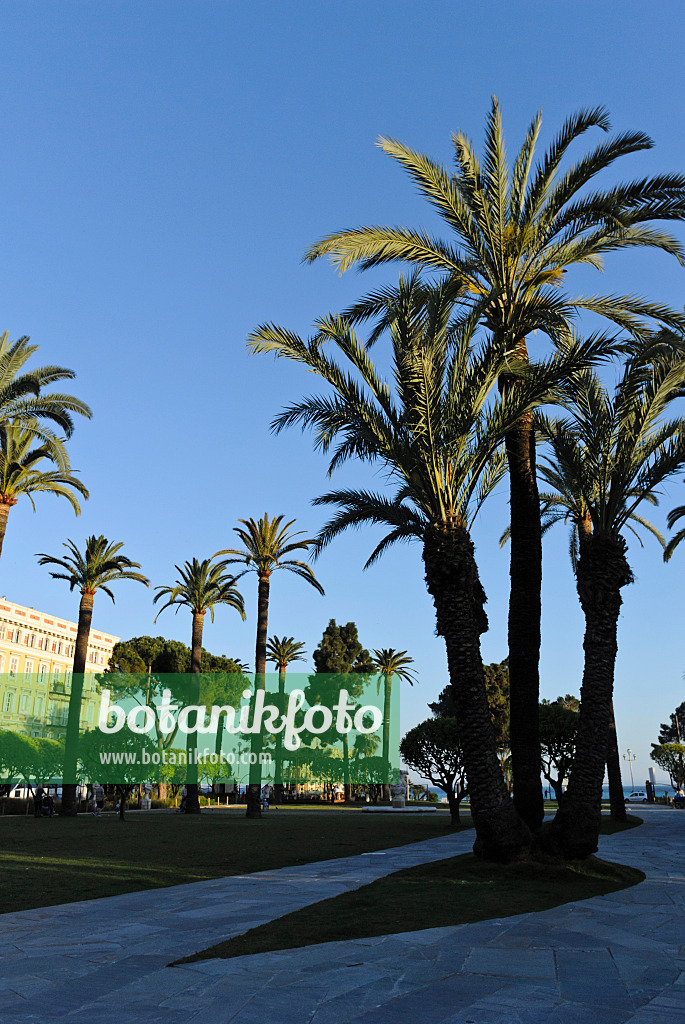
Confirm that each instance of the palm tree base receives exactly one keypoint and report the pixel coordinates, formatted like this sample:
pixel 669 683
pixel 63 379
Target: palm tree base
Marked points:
pixel 502 836
pixel 574 833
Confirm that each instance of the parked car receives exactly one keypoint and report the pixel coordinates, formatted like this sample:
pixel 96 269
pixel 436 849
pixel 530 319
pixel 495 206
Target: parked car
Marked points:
pixel 636 798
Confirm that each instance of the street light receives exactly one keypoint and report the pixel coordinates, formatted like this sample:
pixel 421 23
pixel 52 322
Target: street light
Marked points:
pixel 630 757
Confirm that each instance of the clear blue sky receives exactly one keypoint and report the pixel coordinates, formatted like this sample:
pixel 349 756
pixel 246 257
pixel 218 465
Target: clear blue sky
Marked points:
pixel 164 167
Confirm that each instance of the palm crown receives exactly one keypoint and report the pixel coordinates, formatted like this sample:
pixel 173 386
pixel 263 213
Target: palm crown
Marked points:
pixel 439 433
pixel 284 651
pixel 21 396
pixel 390 662
pixel 517 230
pixel 20 465
pixel 614 451
pixel 266 545
pixel 201 586
pixel 100 565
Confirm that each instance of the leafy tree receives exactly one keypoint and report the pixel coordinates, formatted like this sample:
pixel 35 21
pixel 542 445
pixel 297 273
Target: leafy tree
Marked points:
pixel 126 773
pixel 29 468
pixel 371 770
pixel 29 757
pixel 674 730
pixel 267 545
pixel 569 701
pixel 515 232
pixel 671 758
pixel 14 754
pixel 608 456
pixel 201 586
pixel 340 651
pixel 558 726
pixel 391 663
pixel 439 437
pixel 496 677
pixel 100 565
pixel 433 749
pixel 338 658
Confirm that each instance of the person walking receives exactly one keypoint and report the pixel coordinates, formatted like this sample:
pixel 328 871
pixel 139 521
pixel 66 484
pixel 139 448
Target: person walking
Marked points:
pixel 99 794
pixel 38 802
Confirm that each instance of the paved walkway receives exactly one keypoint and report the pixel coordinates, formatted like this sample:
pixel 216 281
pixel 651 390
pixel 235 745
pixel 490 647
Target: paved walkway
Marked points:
pixel 608 960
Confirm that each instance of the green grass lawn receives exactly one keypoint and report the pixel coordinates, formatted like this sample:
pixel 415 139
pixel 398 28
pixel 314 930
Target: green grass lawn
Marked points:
pixel 61 860
pixel 460 890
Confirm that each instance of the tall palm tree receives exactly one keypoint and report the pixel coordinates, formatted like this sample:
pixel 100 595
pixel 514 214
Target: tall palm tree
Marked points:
pixel 391 664
pixel 282 653
pixel 22 468
pixel 607 458
pixel 22 395
pixel 438 435
pixel 95 569
pixel 515 232
pixel 200 586
pixel 266 547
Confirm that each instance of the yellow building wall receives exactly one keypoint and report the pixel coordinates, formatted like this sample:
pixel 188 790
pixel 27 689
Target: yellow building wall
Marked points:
pixel 36 659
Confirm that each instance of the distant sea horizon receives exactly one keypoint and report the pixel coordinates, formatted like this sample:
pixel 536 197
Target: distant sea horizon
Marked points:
pixel 661 788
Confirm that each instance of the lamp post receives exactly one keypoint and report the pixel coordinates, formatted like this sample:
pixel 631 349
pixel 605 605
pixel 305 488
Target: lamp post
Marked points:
pixel 629 756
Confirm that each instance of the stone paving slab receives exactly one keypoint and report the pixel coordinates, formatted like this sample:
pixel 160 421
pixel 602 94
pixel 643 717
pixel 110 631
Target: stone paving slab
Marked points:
pixel 617 959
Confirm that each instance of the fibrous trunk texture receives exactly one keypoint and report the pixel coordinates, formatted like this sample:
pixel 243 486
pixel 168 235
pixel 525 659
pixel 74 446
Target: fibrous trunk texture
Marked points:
pixel 278 756
pixel 524 621
pixel 387 699
pixel 616 800
pixel 602 571
pixel 192 786
pixel 5 507
pixel 254 789
pixel 453 583
pixel 85 616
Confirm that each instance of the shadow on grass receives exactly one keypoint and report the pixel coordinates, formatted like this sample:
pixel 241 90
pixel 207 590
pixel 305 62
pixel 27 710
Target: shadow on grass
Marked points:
pixel 45 862
pixel 459 890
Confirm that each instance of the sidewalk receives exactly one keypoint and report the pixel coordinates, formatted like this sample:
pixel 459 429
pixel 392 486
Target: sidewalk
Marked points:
pixel 608 960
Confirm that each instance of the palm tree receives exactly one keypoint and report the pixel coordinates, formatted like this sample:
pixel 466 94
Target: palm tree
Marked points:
pixel 282 652
pixel 515 232
pixel 21 471
pixel 266 547
pixel 439 437
pixel 21 394
pixel 391 663
pixel 607 458
pixel 200 586
pixel 674 516
pixel 100 565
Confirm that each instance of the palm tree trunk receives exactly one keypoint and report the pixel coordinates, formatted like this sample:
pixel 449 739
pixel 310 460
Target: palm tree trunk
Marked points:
pixel 278 770
pixel 602 571
pixel 524 619
pixel 85 615
pixel 386 730
pixel 347 785
pixel 5 507
pixel 616 800
pixel 453 583
pixel 192 787
pixel 254 802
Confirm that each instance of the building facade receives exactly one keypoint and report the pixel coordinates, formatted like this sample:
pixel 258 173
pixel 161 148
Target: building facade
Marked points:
pixel 36 659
